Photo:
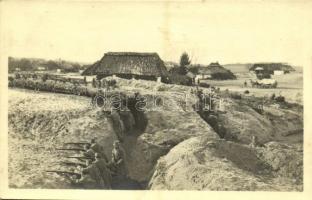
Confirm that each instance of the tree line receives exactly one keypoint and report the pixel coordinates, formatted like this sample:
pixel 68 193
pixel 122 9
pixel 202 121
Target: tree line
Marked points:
pixel 32 64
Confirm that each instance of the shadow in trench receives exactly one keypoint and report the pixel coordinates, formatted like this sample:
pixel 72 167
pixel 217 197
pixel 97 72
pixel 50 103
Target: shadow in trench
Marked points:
pixel 128 142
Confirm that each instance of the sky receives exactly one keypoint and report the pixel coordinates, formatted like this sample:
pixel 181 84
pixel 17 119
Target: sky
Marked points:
pixel 227 32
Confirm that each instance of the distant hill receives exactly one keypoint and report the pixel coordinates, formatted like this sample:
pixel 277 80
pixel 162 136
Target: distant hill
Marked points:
pixel 246 67
pixel 238 67
pixel 33 64
pixel 270 67
pixel 298 69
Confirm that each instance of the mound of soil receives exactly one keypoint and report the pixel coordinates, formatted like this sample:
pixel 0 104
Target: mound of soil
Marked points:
pixel 285 160
pixel 200 163
pixel 165 129
pixel 241 121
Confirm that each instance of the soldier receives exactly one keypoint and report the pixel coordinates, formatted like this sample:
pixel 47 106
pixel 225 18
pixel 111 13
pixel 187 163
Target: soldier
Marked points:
pixel 93 83
pixel 85 80
pixel 37 86
pixel 17 76
pixel 113 84
pixel 118 159
pixel 89 153
pixel 98 149
pixel 118 124
pixel 85 181
pixel 101 164
pixel 95 174
pixel 99 83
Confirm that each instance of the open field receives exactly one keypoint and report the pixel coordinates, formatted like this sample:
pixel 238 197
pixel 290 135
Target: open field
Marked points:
pixel 289 85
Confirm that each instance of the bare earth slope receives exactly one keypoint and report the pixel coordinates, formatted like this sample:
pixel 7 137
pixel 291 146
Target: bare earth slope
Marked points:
pixel 204 164
pixel 41 122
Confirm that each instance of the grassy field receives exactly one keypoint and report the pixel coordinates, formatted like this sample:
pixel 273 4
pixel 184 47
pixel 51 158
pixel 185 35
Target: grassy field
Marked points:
pixel 289 85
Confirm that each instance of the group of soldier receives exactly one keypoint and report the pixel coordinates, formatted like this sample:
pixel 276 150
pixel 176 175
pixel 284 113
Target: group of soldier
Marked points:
pixel 98 171
pixel 107 84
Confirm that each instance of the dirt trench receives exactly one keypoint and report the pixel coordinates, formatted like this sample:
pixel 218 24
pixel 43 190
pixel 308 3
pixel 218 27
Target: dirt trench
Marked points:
pixel 36 131
pixel 240 122
pixel 128 124
pixel 152 136
pixel 148 136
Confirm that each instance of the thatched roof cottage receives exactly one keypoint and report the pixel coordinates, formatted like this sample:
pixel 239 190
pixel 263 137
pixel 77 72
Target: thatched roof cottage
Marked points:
pixel 213 71
pixel 129 65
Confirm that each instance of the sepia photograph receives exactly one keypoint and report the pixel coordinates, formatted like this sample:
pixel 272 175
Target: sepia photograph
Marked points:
pixel 154 95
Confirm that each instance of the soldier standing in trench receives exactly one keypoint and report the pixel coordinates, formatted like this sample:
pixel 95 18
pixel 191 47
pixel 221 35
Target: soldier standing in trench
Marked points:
pixel 118 125
pixel 118 159
pixel 102 165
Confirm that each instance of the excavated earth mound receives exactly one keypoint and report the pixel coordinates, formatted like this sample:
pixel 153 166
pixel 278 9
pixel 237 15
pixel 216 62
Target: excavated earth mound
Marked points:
pixel 165 129
pixel 200 163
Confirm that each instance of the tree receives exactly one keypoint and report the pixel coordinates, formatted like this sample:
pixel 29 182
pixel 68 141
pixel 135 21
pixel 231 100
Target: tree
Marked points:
pixel 184 61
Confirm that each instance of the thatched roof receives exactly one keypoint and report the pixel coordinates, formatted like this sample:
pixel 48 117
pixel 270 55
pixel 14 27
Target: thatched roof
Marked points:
pixel 90 69
pixel 216 71
pixel 146 64
pixel 212 68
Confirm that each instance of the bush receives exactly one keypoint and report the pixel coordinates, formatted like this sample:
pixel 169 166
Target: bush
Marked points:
pixel 223 76
pixel 235 96
pixel 206 85
pixel 272 96
pixel 246 92
pixel 280 99
pixel 180 79
pixel 44 77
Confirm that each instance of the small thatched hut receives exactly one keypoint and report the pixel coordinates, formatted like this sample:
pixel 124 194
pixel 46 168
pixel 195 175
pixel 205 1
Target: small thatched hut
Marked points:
pixel 129 65
pixel 212 71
